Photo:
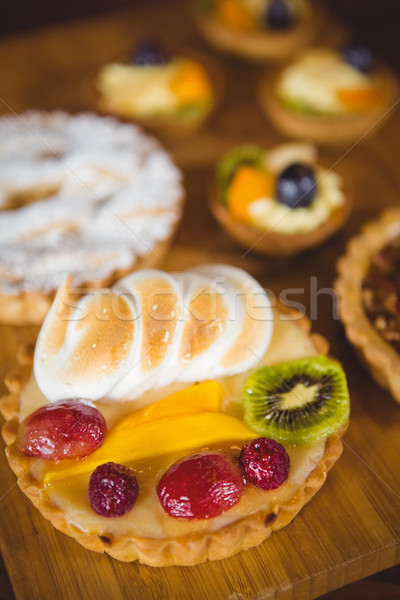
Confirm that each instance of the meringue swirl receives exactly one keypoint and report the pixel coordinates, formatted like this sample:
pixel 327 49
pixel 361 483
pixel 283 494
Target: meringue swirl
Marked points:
pixel 152 329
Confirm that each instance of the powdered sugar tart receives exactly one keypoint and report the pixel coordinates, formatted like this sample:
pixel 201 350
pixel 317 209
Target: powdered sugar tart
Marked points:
pixel 368 288
pixel 80 195
pixel 164 359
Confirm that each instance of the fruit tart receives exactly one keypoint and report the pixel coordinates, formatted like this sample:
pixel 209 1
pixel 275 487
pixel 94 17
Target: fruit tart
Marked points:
pixel 168 93
pixel 368 285
pixel 279 201
pixel 329 95
pixel 262 30
pixel 175 417
pixel 82 195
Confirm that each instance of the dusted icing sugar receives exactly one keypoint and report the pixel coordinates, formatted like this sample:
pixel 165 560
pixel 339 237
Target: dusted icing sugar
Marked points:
pixel 83 195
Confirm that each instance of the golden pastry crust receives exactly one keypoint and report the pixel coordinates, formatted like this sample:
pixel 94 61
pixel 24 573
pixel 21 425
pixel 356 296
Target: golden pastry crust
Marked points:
pixel 30 308
pixel 185 550
pixel 381 358
pixel 272 243
pixel 327 130
pixel 275 46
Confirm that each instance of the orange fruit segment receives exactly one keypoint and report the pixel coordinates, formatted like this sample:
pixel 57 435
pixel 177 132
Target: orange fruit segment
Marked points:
pixel 358 98
pixel 234 14
pixel 191 83
pixel 248 184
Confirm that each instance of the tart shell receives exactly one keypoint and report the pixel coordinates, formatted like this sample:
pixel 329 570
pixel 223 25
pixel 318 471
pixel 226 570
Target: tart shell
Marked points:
pixel 327 130
pixel 186 550
pixel 380 358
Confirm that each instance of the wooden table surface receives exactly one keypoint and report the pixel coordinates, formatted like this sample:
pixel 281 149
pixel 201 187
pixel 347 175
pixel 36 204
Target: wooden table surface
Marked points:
pixel 351 529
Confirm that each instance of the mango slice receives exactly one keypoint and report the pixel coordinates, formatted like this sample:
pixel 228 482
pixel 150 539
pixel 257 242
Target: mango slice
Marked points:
pixel 202 397
pixel 358 98
pixel 191 84
pixel 248 184
pixel 177 433
pixel 234 14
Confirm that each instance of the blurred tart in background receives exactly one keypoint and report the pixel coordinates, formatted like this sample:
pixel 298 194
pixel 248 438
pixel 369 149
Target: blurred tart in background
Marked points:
pixel 263 30
pixel 278 201
pixel 328 95
pixel 176 93
pixel 368 285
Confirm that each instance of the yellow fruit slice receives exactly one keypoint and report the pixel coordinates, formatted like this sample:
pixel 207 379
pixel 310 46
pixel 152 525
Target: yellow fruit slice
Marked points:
pixel 191 83
pixel 202 397
pixel 234 14
pixel 155 438
pixel 358 98
pixel 248 184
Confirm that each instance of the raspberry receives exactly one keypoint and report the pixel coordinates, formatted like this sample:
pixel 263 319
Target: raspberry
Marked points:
pixel 201 486
pixel 265 462
pixel 113 490
pixel 64 429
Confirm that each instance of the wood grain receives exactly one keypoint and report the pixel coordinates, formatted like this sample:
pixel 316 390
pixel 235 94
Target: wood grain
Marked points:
pixel 352 527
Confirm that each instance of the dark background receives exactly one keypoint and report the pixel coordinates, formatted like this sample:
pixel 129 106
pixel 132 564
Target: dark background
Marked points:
pixel 366 17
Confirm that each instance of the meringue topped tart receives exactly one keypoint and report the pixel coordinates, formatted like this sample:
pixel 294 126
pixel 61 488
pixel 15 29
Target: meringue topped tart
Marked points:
pixel 149 385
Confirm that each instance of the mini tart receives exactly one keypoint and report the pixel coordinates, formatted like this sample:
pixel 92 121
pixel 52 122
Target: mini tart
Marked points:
pixel 263 45
pixel 270 242
pixel 207 543
pixel 327 129
pixel 377 354
pixel 166 123
pixel 74 200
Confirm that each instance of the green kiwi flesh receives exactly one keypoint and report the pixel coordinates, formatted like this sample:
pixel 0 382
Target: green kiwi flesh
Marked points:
pixel 299 402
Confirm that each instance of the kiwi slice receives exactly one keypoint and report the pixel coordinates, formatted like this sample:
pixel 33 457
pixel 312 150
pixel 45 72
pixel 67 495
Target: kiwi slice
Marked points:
pixel 299 402
pixel 243 155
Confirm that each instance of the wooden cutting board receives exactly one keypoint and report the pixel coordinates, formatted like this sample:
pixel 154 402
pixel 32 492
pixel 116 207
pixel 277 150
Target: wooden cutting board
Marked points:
pixel 352 527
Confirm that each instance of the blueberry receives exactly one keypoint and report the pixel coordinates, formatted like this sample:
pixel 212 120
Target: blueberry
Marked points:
pixel 296 186
pixel 279 15
pixel 148 53
pixel 358 56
